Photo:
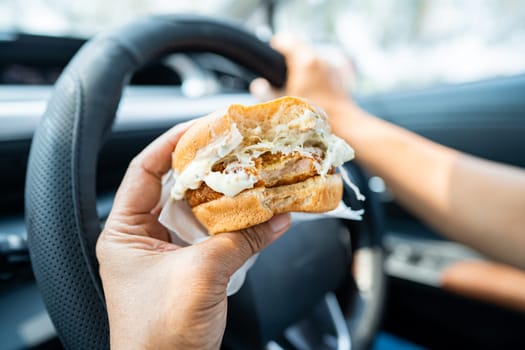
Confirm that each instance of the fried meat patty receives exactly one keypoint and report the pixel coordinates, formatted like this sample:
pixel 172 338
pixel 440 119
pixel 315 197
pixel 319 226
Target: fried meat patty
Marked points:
pixel 272 169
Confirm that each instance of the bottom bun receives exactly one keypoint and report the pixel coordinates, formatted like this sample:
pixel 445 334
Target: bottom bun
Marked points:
pixel 251 207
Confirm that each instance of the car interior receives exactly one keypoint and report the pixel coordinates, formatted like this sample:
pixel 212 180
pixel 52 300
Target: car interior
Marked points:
pixel 75 110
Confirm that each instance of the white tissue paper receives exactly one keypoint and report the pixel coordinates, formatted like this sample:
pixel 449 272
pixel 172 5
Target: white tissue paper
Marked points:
pixel 185 230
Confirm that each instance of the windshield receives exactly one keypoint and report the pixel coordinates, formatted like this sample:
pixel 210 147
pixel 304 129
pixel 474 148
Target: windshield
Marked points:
pixel 86 18
pixel 392 44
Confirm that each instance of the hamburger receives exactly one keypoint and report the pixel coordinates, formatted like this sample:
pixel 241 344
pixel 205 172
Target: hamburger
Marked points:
pixel 238 168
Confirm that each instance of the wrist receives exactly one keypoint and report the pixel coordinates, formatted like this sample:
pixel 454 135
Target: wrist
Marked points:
pixel 160 337
pixel 122 336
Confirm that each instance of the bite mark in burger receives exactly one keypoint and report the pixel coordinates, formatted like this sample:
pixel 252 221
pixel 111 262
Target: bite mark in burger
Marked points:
pixel 238 168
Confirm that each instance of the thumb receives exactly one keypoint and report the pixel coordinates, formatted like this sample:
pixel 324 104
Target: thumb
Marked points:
pixel 231 250
pixel 262 90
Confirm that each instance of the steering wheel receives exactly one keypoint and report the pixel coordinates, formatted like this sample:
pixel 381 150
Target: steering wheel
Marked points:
pixel 305 277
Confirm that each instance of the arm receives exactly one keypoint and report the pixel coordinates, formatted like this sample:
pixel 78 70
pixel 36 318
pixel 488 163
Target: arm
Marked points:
pixel 468 199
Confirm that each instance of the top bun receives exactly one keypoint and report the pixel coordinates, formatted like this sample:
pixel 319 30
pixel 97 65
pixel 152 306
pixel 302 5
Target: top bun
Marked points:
pixel 246 118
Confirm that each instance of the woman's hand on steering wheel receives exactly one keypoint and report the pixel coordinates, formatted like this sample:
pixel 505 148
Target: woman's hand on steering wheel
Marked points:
pixel 160 295
pixel 311 76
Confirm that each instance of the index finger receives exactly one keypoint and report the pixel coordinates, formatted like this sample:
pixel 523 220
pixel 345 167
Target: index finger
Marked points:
pixel 141 187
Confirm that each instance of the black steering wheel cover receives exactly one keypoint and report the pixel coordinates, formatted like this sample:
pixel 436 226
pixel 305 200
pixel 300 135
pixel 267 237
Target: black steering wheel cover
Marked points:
pixel 61 216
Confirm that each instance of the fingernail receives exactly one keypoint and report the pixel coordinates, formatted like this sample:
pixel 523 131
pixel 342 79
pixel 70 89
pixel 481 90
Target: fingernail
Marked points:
pixel 185 125
pixel 259 86
pixel 279 222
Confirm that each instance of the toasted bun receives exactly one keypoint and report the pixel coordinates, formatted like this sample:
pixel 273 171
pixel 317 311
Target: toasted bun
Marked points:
pixel 255 206
pixel 246 118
